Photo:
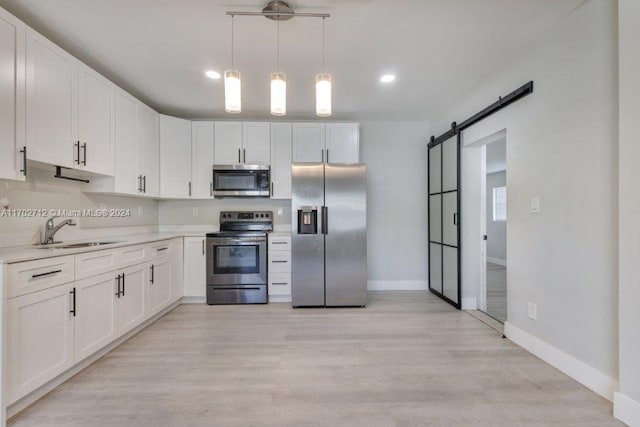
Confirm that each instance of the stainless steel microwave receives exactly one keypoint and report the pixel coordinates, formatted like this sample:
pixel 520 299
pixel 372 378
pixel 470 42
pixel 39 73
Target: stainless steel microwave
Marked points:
pixel 241 180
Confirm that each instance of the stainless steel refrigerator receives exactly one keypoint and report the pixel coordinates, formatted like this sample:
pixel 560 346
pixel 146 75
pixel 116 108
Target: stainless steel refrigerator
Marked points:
pixel 329 235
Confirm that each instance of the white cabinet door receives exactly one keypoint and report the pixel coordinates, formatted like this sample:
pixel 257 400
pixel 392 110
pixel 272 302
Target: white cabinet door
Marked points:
pixel 177 270
pixel 52 128
pixel 256 146
pixel 281 143
pixel 131 302
pixel 39 339
pixel 149 130
pixel 159 290
pixel 128 178
pixel 202 159
pixel 228 143
pixel 175 157
pixel 342 143
pixel 308 142
pixel 12 97
pixel 195 267
pixel 95 121
pixel 95 314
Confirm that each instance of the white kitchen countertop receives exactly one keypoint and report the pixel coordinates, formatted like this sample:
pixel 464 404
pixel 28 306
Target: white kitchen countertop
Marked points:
pixel 33 252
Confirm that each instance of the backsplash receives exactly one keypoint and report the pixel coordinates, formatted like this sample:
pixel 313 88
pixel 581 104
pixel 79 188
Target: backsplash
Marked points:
pixel 42 194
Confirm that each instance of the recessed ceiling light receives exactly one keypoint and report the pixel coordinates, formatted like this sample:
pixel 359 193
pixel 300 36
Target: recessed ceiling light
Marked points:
pixel 387 78
pixel 212 74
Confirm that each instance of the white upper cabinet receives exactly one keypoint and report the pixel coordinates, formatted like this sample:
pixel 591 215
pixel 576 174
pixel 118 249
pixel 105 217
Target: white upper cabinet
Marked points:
pixel 149 139
pixel 342 143
pixel 202 134
pixel 228 143
pixel 308 142
pixel 128 179
pixel 281 146
pixel 12 97
pixel 52 128
pixel 175 157
pixel 326 142
pixel 96 122
pixel 256 145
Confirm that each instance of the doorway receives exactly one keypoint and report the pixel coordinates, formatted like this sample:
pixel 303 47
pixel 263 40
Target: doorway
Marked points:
pixel 495 230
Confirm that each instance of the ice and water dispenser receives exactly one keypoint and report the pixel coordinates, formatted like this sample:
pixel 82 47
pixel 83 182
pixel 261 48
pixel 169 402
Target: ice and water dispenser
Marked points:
pixel 307 220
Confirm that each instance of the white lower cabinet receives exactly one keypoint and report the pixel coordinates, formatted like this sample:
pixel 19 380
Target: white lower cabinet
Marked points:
pixel 131 302
pixel 279 266
pixel 177 270
pixel 160 291
pixel 39 338
pixel 95 314
pixel 195 267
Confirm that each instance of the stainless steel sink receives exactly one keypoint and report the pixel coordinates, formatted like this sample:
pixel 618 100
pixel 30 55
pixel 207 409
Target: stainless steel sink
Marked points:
pixel 75 245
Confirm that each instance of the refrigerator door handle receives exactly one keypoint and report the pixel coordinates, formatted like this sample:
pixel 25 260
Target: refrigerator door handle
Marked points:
pixel 325 220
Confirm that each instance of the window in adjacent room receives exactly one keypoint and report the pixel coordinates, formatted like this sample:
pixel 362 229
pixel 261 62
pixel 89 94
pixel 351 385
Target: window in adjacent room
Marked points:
pixel 499 203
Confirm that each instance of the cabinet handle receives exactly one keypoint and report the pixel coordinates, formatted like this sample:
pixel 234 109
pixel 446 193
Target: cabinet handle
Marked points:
pixel 139 183
pixel 279 262
pixel 162 249
pixel 279 243
pixel 322 154
pixel 84 154
pixel 327 155
pixel 455 218
pixel 244 155
pixel 144 184
pixel 73 299
pixel 271 188
pixel 189 188
pixel 24 160
pixel 118 285
pixel 122 284
pixel 35 276
pixel 280 283
pixel 77 147
pixel 152 275
pixel 203 247
pixel 211 189
pixel 239 161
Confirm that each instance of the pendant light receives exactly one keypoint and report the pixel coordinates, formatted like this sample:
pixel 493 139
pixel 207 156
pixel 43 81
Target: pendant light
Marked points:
pixel 323 87
pixel 278 85
pixel 232 91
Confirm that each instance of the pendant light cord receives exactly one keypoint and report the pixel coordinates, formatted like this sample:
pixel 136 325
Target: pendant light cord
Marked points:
pixel 278 46
pixel 232 16
pixel 323 44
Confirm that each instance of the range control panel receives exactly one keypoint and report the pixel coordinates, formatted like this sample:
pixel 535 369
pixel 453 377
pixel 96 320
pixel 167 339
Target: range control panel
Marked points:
pixel 244 216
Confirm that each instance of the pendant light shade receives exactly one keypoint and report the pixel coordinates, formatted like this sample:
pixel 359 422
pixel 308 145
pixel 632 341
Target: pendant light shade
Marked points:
pixel 232 92
pixel 278 94
pixel 323 95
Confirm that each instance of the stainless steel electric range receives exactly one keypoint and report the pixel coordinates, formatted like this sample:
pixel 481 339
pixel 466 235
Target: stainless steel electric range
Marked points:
pixel 237 258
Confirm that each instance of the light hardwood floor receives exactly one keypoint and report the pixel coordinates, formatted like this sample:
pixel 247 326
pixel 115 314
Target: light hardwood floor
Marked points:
pixel 408 359
pixel 497 291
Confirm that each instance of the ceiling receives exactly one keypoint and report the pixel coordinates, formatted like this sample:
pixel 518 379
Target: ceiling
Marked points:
pixel 159 49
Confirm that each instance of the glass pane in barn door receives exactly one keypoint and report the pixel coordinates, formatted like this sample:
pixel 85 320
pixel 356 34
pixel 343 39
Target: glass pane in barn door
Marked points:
pixel 444 223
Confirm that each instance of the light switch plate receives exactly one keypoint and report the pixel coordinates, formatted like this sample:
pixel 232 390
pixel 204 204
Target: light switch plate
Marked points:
pixel 533 311
pixel 280 211
pixel 196 212
pixel 535 204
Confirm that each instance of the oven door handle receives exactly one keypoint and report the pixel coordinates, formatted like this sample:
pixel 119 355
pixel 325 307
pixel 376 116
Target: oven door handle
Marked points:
pixel 242 241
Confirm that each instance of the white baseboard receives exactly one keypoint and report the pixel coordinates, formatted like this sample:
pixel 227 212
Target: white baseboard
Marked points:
pixel 279 298
pixel 193 300
pixel 502 262
pixel 397 285
pixel 586 375
pixel 626 409
pixel 469 303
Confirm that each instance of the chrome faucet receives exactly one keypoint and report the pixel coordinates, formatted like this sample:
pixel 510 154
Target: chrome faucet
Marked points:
pixel 50 230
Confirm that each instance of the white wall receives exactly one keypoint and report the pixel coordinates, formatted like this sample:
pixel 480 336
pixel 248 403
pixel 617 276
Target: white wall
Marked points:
pixel 562 147
pixel 396 155
pixel 627 402
pixel 496 230
pixel 42 191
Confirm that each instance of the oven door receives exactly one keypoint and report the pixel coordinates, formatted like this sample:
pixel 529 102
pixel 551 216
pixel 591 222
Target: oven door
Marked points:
pixel 236 260
pixel 241 183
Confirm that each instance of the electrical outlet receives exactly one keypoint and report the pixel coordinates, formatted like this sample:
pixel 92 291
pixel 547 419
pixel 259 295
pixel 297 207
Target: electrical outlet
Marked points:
pixel 280 211
pixel 196 212
pixel 533 311
pixel 140 210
